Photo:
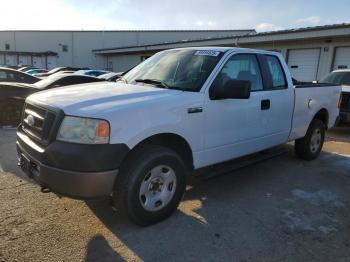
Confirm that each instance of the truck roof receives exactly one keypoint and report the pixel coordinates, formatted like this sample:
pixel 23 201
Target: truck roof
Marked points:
pixel 225 49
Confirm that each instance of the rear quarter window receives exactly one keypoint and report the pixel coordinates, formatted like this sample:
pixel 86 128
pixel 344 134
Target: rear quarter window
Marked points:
pixel 278 77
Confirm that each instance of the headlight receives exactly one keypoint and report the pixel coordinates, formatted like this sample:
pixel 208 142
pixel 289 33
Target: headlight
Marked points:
pixel 84 130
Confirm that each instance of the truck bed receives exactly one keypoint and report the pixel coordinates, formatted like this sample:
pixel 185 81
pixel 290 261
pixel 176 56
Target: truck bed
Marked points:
pixel 310 99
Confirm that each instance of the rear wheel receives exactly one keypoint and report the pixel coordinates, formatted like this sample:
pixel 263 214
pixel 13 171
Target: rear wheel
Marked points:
pixel 150 185
pixel 10 113
pixel 310 146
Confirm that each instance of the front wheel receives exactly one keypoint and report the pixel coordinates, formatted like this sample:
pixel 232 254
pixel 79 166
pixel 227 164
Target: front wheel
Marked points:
pixel 150 185
pixel 310 146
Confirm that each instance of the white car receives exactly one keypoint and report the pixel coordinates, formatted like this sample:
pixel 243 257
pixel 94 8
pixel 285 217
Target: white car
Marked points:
pixel 180 110
pixel 341 77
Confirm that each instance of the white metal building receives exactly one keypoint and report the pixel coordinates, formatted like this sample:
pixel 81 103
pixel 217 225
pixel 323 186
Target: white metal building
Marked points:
pixel 310 52
pixel 49 49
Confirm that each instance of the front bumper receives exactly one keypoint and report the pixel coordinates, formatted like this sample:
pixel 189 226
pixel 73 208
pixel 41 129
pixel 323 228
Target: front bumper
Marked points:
pixel 72 170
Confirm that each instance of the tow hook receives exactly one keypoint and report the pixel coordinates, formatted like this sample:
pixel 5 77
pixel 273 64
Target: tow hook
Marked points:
pixel 45 190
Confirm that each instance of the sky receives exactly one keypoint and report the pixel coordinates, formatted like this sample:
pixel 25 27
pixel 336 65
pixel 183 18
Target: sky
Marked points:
pixel 267 15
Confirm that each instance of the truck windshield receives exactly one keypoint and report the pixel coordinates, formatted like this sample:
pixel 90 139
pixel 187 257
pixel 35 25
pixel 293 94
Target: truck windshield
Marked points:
pixel 185 70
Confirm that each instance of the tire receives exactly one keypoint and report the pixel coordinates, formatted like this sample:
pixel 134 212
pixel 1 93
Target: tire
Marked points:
pixel 310 146
pixel 150 185
pixel 10 113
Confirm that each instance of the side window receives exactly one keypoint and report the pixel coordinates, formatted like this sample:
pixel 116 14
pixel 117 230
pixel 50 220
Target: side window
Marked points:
pixel 57 83
pixel 11 77
pixel 276 71
pixel 241 67
pixel 3 75
pixel 20 77
pixel 86 80
pixel 80 80
pixel 71 80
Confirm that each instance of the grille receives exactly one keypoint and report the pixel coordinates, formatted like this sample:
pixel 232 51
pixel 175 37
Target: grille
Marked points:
pixel 345 102
pixel 37 122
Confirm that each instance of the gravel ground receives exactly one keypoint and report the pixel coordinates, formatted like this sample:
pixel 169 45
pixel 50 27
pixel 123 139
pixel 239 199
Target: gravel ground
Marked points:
pixel 282 209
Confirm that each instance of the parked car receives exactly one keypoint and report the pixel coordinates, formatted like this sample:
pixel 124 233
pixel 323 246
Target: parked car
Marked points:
pixel 11 75
pixel 26 68
pixel 111 76
pixel 341 77
pixel 13 95
pixel 94 73
pixel 35 71
pixel 12 67
pixel 180 110
pixel 58 69
pixel 66 72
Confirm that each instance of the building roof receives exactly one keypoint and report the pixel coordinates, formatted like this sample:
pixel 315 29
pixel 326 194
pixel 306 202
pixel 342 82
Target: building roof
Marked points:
pixel 336 30
pixel 47 53
pixel 141 31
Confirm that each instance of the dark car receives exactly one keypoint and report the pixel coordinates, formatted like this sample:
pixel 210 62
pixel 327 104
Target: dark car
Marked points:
pixel 94 73
pixel 35 71
pixel 13 95
pixel 58 69
pixel 26 68
pixel 11 75
pixel 341 77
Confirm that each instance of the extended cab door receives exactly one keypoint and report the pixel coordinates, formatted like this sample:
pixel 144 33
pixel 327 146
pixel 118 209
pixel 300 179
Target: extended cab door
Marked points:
pixel 237 127
pixel 277 119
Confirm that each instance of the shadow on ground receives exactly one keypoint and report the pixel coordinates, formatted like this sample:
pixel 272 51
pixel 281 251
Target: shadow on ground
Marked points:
pixel 98 249
pixel 8 153
pixel 280 209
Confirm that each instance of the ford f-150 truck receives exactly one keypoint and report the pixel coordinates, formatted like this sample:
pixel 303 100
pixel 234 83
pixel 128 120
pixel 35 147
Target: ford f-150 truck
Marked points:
pixel 180 110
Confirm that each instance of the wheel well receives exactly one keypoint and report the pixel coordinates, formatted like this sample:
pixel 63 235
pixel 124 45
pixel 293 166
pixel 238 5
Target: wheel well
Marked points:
pixel 323 116
pixel 174 142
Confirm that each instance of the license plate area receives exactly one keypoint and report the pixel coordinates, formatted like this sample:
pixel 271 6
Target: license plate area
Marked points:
pixel 29 167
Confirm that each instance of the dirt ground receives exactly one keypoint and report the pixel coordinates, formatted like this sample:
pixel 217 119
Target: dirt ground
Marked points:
pixel 282 209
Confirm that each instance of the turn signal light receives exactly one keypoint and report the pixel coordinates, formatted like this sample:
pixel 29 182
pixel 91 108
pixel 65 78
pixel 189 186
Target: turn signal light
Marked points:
pixel 102 129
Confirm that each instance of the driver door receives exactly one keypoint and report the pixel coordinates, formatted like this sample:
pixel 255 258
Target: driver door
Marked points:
pixel 234 127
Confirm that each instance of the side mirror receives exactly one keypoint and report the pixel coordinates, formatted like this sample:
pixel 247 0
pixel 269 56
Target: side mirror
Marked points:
pixel 233 89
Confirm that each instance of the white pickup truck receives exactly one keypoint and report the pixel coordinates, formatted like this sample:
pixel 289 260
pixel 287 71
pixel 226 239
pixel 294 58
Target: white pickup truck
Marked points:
pixel 180 110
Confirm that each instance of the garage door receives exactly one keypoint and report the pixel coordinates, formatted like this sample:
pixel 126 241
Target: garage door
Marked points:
pixel 24 60
pixel 11 60
pixel 39 61
pixel 303 63
pixel 51 62
pixel 342 58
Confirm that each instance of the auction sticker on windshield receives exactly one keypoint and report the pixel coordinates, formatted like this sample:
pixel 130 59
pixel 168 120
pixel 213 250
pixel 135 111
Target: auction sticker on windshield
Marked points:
pixel 207 53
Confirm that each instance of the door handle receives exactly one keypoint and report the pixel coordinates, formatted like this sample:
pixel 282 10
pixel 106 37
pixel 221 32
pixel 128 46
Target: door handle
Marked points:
pixel 194 110
pixel 265 104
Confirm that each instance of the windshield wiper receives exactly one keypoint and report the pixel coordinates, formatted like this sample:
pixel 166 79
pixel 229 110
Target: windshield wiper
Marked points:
pixel 122 78
pixel 153 82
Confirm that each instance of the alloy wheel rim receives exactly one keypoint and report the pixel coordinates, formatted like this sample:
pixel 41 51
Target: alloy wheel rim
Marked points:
pixel 157 188
pixel 315 142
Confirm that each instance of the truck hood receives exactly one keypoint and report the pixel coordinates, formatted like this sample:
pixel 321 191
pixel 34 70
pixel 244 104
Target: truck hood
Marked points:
pixel 88 99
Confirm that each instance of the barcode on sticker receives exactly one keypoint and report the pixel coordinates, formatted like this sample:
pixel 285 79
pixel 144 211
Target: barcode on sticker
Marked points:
pixel 207 52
